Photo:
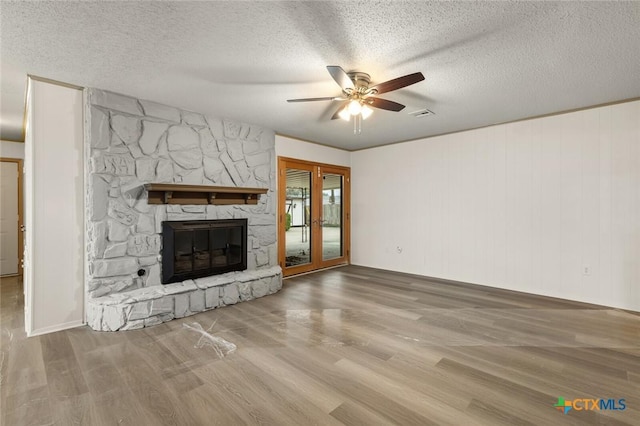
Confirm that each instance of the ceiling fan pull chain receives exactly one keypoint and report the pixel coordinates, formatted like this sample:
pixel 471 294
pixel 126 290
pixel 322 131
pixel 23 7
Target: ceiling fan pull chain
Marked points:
pixel 357 124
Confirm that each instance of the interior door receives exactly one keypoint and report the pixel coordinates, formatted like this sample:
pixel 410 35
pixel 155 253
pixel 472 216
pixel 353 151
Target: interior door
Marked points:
pixel 9 218
pixel 313 215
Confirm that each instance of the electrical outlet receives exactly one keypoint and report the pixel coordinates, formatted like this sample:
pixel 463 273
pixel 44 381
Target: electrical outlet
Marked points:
pixel 399 249
pixel 586 271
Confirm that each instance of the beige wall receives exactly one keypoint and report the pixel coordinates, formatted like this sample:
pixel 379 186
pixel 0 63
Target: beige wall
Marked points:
pixel 301 150
pixel 11 149
pixel 548 206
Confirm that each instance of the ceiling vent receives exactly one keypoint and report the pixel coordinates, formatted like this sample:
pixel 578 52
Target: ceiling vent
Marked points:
pixel 422 113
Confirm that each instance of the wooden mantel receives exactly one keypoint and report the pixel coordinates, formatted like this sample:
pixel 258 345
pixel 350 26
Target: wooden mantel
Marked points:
pixel 169 193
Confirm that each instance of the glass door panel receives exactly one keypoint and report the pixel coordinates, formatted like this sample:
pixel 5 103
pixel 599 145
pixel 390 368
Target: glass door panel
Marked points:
pixel 313 219
pixel 331 216
pixel 201 249
pixel 298 238
pixel 183 247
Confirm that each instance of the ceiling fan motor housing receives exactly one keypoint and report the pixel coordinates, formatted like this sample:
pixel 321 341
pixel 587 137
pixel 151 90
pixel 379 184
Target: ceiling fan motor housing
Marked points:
pixel 361 80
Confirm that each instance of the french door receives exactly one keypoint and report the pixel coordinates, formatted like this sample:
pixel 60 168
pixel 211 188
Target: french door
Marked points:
pixel 313 215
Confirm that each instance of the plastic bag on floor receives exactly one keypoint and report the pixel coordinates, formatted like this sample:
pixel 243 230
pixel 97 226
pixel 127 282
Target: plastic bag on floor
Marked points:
pixel 220 345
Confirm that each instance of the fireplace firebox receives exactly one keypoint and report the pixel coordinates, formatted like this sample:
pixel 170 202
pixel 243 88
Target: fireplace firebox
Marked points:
pixel 199 248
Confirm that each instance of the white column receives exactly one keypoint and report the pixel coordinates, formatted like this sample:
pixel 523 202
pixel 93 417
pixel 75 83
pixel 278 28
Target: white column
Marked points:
pixel 54 184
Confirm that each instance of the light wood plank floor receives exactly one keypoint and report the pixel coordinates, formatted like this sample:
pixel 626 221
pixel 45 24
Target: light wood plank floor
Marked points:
pixel 351 345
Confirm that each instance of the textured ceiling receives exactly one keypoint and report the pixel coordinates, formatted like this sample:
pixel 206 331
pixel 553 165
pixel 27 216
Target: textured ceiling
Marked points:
pixel 484 62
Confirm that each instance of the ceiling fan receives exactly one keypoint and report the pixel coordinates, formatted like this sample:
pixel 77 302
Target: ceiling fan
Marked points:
pixel 357 97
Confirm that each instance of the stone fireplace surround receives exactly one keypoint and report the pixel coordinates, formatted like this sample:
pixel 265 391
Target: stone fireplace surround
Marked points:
pixel 131 142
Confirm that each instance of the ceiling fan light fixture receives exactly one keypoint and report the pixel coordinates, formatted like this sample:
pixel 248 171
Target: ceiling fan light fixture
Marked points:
pixel 365 112
pixel 355 107
pixel 344 114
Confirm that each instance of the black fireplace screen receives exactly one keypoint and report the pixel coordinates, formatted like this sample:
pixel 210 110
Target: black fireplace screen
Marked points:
pixel 193 249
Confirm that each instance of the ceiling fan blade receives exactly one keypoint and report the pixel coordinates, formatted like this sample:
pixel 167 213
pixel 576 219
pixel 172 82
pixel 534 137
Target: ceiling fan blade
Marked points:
pixel 397 83
pixel 329 98
pixel 384 104
pixel 336 115
pixel 340 77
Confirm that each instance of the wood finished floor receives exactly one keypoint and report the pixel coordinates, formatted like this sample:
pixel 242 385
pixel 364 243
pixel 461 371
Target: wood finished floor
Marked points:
pixel 351 345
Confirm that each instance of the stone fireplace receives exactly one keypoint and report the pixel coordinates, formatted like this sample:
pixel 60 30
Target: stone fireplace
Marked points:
pixel 130 143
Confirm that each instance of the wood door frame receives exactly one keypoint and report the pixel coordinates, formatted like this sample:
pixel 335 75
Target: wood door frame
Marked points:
pixel 316 187
pixel 20 164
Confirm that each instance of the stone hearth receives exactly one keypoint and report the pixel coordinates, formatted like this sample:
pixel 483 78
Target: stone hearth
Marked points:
pixel 133 142
pixel 157 304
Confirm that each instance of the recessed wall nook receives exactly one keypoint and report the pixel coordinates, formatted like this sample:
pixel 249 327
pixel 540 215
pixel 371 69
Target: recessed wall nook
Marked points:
pixel 151 164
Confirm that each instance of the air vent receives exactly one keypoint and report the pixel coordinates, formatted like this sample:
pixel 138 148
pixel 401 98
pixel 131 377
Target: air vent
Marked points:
pixel 422 113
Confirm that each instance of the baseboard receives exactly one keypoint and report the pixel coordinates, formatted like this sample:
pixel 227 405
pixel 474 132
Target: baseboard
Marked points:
pixel 54 328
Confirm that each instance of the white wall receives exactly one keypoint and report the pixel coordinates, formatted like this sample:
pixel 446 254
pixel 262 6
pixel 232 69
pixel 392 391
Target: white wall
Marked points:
pixel 54 275
pixel 11 149
pixel 301 150
pixel 548 206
